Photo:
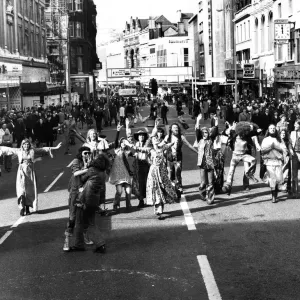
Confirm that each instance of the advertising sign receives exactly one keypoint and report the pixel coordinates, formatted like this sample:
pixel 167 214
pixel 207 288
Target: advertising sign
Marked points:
pixel 249 71
pixel 10 71
pixel 119 72
pixel 127 92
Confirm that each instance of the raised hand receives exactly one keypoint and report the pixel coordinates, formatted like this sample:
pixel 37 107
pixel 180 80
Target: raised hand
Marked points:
pixel 119 127
pixel 58 146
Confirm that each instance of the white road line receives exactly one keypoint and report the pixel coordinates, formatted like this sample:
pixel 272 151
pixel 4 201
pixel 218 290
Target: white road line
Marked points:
pixel 147 130
pixel 189 220
pixel 54 181
pixel 5 236
pixel 209 279
pixel 70 164
pixel 19 221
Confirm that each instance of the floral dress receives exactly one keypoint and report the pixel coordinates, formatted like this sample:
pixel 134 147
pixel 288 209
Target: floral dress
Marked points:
pixel 159 187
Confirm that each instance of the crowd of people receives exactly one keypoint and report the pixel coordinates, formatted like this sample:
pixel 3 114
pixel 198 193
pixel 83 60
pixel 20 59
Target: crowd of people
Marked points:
pixel 149 165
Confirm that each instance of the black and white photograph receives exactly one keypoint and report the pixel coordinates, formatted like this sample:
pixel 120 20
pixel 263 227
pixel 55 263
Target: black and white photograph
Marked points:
pixel 149 150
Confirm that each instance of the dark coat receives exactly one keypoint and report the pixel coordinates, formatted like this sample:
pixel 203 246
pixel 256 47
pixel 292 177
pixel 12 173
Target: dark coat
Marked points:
pixel 94 181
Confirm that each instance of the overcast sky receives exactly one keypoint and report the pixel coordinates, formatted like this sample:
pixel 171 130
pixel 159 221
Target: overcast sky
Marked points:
pixel 114 13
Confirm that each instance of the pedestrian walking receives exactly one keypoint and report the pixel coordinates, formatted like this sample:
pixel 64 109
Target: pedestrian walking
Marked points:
pixel 163 113
pixel 275 155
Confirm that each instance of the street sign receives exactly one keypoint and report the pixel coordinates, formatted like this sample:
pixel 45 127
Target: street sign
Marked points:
pixel 120 72
pixel 249 71
pixel 127 92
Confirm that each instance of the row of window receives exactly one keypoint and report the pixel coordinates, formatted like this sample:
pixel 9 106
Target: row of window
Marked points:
pixel 32 10
pixel 243 31
pixel 29 42
pixel 76 29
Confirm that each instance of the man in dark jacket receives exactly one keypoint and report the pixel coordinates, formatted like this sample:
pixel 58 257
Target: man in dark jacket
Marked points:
pixel 88 203
pixel 163 113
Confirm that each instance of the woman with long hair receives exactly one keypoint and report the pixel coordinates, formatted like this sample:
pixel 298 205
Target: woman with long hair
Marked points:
pixel 286 169
pixel 120 173
pixel 159 187
pixel 26 180
pixel 275 155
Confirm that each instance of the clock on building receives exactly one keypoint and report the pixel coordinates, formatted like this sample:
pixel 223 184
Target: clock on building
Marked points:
pixel 282 30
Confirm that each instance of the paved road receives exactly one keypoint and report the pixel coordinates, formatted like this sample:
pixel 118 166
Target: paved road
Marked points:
pixel 250 244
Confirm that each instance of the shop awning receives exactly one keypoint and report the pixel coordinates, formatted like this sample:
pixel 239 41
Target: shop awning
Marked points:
pixel 34 88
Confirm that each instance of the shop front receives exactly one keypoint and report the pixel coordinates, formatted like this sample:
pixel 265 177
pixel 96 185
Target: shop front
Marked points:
pixel 287 82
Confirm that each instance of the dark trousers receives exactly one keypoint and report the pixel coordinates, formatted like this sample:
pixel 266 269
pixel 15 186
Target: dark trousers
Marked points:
pixel 164 119
pixel 113 118
pixel 85 222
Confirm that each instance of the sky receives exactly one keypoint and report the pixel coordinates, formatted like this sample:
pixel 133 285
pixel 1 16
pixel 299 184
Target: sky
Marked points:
pixel 115 13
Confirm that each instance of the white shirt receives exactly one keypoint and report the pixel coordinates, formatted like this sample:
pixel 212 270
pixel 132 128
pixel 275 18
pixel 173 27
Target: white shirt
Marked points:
pixel 122 111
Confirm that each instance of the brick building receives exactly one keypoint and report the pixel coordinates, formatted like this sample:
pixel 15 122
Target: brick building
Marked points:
pixel 83 55
pixel 22 48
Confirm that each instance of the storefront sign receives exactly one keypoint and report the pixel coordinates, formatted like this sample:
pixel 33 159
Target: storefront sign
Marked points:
pixel 9 71
pixel 287 74
pixel 249 71
pixel 127 92
pixel 178 41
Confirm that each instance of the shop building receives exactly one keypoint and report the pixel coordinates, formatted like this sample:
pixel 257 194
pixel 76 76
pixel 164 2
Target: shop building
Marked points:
pixel 22 48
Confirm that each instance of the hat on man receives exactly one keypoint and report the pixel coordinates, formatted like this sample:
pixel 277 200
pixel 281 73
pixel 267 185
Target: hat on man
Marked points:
pixel 281 116
pixel 140 132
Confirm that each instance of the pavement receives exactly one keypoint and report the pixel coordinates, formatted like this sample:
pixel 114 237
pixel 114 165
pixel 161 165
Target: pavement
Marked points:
pixel 241 247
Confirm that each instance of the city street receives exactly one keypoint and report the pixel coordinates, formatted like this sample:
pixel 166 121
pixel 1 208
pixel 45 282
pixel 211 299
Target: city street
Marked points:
pixel 241 247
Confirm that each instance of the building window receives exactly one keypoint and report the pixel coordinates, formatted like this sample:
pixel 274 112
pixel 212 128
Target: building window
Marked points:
pixel 31 10
pixel 237 34
pixel 271 32
pixel 279 11
pixel 245 31
pixel 42 16
pixel 25 7
pixel 37 9
pixel 186 56
pixel 71 29
pixel 20 4
pixel 79 64
pixel 20 36
pixel 279 52
pixel 79 30
pixel 161 57
pixel 262 34
pixel 26 43
pixel 249 33
pixel 74 5
pixel 256 36
pixel 152 50
pixel 37 43
pixel 291 49
pixel 298 47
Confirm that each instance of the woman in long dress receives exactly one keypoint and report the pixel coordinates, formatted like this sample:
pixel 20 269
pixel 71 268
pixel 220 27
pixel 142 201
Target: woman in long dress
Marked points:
pixel 26 180
pixel 159 187
pixel 275 155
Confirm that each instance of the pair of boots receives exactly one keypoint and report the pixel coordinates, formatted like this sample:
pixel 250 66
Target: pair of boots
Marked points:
pixel 274 195
pixel 25 211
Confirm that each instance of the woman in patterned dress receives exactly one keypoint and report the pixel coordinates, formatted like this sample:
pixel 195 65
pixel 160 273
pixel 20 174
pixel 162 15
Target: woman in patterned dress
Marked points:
pixel 26 180
pixel 159 187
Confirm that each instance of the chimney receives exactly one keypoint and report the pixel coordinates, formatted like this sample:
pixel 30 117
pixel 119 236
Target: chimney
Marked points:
pixel 160 30
pixel 151 28
pixel 181 28
pixel 179 15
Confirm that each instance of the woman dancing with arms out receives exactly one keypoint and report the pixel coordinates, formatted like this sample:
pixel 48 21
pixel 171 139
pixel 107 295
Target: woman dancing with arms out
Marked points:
pixel 159 187
pixel 26 180
pixel 275 155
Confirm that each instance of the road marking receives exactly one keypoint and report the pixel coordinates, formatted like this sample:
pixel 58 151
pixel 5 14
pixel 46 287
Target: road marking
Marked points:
pixel 189 220
pixel 209 279
pixel 147 130
pixel 19 221
pixel 70 164
pixel 5 236
pixel 54 181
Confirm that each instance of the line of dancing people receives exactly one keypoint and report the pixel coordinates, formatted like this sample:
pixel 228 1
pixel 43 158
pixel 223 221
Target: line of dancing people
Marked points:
pixel 155 175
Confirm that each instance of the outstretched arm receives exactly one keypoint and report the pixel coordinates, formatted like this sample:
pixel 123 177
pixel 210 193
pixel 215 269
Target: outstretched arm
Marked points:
pixel 185 141
pixel 117 136
pixel 8 150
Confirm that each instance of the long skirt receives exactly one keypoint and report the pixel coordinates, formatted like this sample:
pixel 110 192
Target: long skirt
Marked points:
pixel 159 188
pixel 143 170
pixel 26 186
pixel 274 176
